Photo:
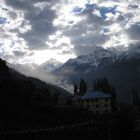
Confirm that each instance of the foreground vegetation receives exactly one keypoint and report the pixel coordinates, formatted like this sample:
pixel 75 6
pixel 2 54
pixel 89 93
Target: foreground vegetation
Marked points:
pixel 25 105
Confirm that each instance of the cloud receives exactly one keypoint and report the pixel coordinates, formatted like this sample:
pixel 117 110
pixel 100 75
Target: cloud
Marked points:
pixel 73 27
pixel 33 31
pixel 86 34
pixel 19 53
pixel 105 24
pixel 27 24
pixel 40 19
pixel 134 31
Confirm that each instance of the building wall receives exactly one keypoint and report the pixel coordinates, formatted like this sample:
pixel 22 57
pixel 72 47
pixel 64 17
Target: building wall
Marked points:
pixel 100 105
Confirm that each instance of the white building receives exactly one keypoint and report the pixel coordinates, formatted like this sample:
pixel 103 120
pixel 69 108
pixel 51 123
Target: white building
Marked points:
pixel 95 101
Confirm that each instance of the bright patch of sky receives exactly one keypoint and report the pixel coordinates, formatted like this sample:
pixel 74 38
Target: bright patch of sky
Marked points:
pixel 47 55
pixel 106 10
pixel 2 20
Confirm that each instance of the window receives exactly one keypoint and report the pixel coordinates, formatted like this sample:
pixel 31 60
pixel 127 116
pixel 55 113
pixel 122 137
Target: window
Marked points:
pixel 87 106
pixel 96 100
pixel 106 99
pixel 87 100
pixel 97 106
pixel 92 101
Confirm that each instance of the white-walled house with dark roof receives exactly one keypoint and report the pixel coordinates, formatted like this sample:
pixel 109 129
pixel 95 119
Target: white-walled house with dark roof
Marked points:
pixel 95 101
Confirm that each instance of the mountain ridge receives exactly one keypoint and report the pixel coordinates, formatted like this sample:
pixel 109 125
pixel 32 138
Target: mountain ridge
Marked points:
pixel 122 69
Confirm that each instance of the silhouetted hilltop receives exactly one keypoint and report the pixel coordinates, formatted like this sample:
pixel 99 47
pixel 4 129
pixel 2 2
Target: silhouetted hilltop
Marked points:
pixel 20 91
pixel 8 74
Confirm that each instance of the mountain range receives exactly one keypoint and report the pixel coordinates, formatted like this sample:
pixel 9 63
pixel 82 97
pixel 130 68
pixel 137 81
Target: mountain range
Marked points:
pixel 38 83
pixel 122 70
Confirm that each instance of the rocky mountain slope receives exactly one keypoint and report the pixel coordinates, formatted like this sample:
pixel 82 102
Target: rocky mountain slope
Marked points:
pixel 122 70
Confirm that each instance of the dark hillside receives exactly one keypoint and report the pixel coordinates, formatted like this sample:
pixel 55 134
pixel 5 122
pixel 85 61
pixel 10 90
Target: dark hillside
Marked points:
pixel 26 102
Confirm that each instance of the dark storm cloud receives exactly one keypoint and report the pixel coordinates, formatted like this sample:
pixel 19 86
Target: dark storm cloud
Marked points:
pixel 87 26
pixel 12 15
pixel 19 53
pixel 40 20
pixel 86 44
pixel 27 4
pixel 134 31
pixel 133 6
pixel 41 27
pixel 86 34
pixel 20 4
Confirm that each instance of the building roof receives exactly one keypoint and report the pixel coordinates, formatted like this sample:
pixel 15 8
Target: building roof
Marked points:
pixel 77 97
pixel 95 95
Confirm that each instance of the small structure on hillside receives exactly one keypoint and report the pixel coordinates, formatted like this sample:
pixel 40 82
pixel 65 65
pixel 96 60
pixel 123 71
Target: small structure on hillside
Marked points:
pixel 95 101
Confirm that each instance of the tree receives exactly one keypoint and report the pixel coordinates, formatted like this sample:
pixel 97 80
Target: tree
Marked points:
pixel 82 87
pixel 75 89
pixel 3 67
pixel 135 97
pixel 103 85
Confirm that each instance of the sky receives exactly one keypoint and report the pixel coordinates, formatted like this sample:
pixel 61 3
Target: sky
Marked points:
pixel 34 31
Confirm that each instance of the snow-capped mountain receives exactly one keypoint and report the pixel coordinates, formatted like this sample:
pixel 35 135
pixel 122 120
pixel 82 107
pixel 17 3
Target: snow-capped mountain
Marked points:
pixel 93 58
pixel 31 68
pixel 122 69
pixel 50 65
pixel 84 62
pixel 97 59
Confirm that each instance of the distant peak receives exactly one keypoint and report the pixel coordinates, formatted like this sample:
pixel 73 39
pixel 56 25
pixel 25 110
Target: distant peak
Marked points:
pixel 100 52
pixel 51 61
pixel 50 65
